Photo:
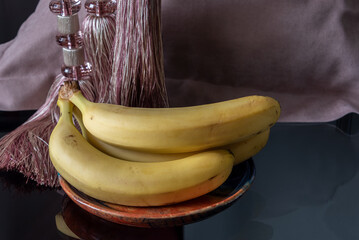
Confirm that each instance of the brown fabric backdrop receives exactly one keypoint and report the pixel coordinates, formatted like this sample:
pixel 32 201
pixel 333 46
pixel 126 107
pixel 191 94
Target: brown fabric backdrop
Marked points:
pixel 303 53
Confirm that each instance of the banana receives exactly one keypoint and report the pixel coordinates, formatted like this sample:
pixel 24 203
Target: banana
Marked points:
pixel 175 130
pixel 124 153
pixel 62 226
pixel 132 183
pixel 242 150
pixel 249 147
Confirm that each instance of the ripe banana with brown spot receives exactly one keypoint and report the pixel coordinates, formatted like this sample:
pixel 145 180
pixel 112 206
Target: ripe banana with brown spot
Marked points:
pixel 176 130
pixel 132 183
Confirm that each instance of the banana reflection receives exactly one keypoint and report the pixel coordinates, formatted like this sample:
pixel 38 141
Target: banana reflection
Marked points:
pixel 63 228
pixel 75 223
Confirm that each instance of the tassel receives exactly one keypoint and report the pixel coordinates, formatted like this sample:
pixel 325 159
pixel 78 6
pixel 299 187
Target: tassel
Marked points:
pixel 99 28
pixel 26 148
pixel 138 71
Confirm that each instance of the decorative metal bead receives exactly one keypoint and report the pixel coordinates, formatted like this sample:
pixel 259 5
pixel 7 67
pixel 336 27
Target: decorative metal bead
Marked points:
pixel 65 7
pixel 76 72
pixel 100 7
pixel 70 41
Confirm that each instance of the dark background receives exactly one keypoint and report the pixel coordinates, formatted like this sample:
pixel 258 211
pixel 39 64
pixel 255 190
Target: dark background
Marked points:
pixel 10 22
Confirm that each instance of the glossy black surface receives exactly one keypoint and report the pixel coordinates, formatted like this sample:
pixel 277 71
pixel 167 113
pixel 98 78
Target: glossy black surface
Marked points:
pixel 306 187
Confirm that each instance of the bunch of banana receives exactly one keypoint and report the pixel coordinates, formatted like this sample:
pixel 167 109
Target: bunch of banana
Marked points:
pixel 153 157
pixel 132 183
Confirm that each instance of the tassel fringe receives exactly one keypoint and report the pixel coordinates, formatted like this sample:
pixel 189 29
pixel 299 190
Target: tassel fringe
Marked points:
pixel 26 148
pixel 99 34
pixel 138 72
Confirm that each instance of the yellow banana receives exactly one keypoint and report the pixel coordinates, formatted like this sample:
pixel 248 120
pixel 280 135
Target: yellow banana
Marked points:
pixel 242 150
pixel 132 183
pixel 124 153
pixel 249 147
pixel 175 130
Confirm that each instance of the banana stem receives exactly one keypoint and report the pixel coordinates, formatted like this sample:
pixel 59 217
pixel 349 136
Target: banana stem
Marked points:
pixel 79 100
pixel 71 91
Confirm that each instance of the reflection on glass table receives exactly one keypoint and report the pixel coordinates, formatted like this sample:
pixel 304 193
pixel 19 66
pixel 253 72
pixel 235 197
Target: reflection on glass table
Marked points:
pixel 75 222
pixel 305 188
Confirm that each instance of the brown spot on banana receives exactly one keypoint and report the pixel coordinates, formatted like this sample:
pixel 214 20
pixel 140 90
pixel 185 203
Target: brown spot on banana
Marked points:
pixel 211 178
pixel 71 140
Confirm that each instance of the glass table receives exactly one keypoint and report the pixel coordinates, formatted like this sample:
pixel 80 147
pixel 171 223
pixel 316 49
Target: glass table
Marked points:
pixel 306 187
